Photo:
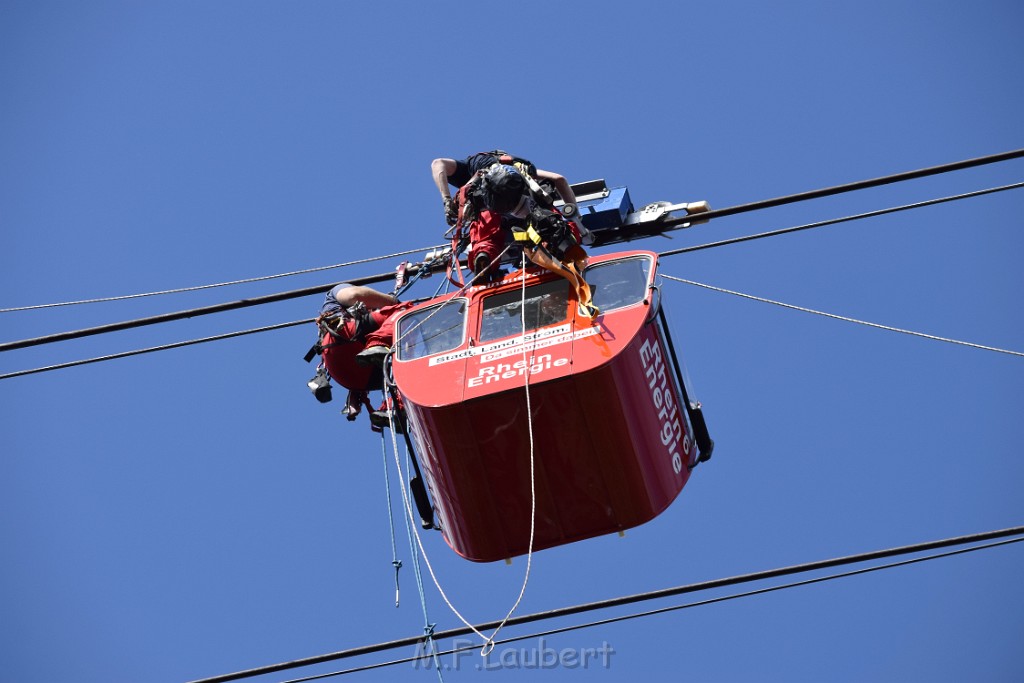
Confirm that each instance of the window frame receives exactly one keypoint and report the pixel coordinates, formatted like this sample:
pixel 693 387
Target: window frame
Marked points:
pixel 421 314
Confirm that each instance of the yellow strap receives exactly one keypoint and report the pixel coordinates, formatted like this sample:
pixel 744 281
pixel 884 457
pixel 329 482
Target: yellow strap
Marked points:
pixel 529 235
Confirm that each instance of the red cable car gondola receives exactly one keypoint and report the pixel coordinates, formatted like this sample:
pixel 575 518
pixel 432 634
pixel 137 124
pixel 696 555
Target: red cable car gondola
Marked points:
pixel 614 432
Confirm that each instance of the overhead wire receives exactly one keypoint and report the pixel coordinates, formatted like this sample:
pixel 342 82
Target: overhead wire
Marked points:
pixel 842 317
pixel 848 187
pixel 197 288
pixel 665 610
pixel 382 277
pixel 777 201
pixel 726 582
pixel 844 219
pixel 151 349
pixel 672 222
pixel 306 291
pixel 179 315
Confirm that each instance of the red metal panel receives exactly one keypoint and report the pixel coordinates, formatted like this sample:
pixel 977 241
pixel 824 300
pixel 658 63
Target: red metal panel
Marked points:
pixel 610 437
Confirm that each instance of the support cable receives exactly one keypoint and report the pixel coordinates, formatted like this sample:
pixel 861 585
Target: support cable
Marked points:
pixel 887 328
pixel 636 598
pixel 729 211
pixel 842 317
pixel 665 610
pixel 306 291
pixel 379 278
pixel 845 219
pixel 848 187
pixel 190 313
pixel 164 347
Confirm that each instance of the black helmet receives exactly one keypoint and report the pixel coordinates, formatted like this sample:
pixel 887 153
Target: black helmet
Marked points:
pixel 505 187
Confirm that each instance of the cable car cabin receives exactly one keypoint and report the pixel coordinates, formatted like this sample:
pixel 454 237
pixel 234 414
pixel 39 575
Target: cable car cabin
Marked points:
pixel 614 433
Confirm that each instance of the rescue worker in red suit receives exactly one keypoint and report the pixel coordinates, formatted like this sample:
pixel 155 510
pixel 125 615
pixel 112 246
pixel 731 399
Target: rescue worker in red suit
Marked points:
pixel 485 226
pixel 457 173
pixel 357 331
pixel 504 205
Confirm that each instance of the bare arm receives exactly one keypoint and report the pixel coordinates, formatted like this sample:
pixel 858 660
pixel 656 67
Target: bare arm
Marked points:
pixel 370 297
pixel 561 185
pixel 441 169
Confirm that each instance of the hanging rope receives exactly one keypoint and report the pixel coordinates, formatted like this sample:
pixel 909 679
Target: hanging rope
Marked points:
pixel 429 643
pixel 488 640
pixel 395 562
pixel 489 645
pixel 419 541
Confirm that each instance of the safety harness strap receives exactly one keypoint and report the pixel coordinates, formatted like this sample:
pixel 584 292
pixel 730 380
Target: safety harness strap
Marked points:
pixel 571 268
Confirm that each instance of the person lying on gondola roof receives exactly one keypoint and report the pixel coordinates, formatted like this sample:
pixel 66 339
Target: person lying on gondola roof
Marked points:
pixel 504 202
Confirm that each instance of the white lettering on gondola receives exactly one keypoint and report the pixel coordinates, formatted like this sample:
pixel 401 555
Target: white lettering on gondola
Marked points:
pixel 513 346
pixel 663 399
pixel 506 371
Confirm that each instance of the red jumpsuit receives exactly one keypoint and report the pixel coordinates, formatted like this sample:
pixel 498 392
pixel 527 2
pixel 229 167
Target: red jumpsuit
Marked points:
pixel 486 237
pixel 340 352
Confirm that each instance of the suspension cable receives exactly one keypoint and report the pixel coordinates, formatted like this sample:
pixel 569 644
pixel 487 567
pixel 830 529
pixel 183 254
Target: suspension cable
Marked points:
pixel 636 598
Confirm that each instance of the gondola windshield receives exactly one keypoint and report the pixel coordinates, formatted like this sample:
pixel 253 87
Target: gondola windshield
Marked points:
pixel 432 330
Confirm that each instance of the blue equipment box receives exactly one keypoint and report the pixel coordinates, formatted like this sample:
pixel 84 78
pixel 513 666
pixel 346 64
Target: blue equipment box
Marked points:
pixel 610 211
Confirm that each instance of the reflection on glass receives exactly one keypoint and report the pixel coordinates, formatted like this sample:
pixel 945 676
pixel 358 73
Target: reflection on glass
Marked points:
pixel 617 284
pixel 432 330
pixel 546 304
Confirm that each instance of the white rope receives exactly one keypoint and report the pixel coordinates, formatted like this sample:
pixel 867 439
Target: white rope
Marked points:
pixel 489 645
pixel 844 318
pixel 419 541
pixel 488 640
pixel 219 284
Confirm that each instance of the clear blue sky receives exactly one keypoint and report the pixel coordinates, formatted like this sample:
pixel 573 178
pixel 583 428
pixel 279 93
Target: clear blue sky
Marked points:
pixel 195 512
